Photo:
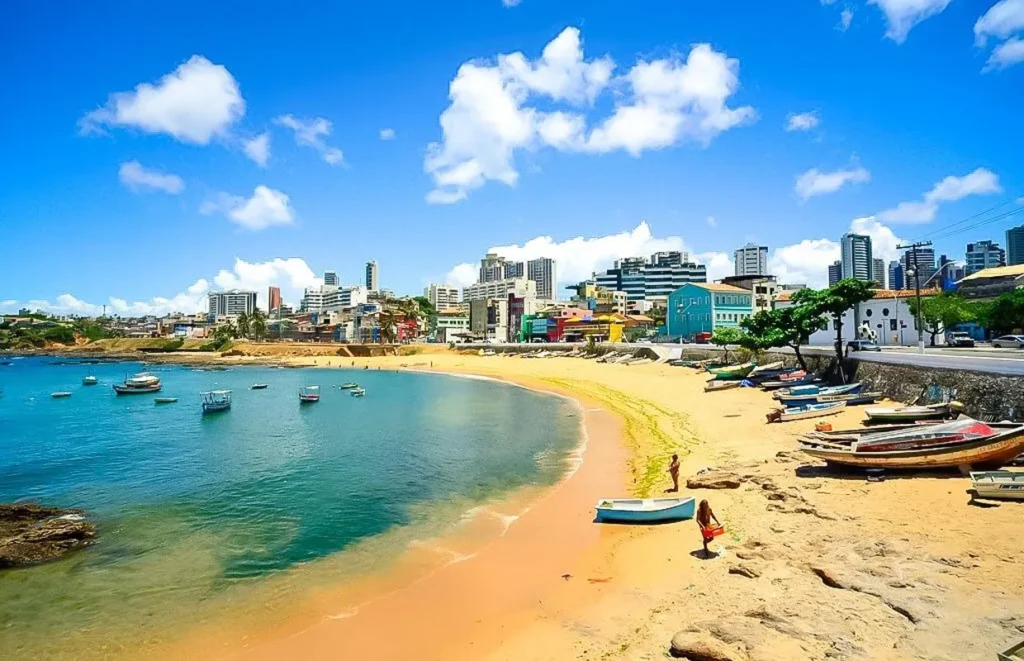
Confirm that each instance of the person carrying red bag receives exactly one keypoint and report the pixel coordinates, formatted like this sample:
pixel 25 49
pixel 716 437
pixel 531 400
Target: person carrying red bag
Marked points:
pixel 708 531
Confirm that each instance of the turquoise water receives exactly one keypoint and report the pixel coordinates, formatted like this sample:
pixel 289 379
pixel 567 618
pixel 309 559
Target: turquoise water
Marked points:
pixel 194 510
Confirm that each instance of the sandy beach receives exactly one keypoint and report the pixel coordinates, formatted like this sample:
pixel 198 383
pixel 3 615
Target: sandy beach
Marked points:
pixel 813 565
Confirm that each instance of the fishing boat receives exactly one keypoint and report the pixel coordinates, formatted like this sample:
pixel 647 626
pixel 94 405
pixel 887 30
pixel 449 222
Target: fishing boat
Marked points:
pixel 349 386
pixel 358 392
pixel 992 451
pixel 914 413
pixel 805 412
pixel 309 394
pixel 141 383
pixel 732 371
pixel 60 394
pixel 215 401
pixel 645 510
pixel 770 367
pixel 959 431
pixel 90 381
pixel 814 394
pixel 165 400
pixel 715 386
pixel 778 384
pixel 1000 485
pixel 258 386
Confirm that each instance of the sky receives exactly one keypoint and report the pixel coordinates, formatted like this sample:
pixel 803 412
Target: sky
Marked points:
pixel 152 155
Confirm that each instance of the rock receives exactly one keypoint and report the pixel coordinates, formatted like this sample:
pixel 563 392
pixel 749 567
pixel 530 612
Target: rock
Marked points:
pixel 714 481
pixel 700 647
pixel 828 577
pixel 776 495
pixel 745 570
pixel 31 534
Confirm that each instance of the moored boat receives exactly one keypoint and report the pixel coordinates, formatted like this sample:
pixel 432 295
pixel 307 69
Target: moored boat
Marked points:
pixel 1000 485
pixel 141 383
pixel 358 392
pixel 348 386
pixel 60 394
pixel 215 401
pixel 805 412
pixel 645 510
pixel 258 386
pixel 165 400
pixel 913 413
pixel 309 394
pixel 90 381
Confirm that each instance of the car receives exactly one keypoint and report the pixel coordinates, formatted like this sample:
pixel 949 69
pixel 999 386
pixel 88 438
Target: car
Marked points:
pixel 862 345
pixel 1009 342
pixel 959 340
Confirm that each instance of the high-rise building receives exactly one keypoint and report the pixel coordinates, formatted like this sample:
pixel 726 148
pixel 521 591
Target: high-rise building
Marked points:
pixel 950 273
pixel 442 297
pixel 983 255
pixel 896 276
pixel 751 259
pixel 513 270
pixel 924 260
pixel 492 267
pixel 1015 246
pixel 500 289
pixel 543 271
pixel 835 273
pixel 856 256
pixel 273 298
pixel 331 278
pixel 652 280
pixel 372 282
pixel 878 272
pixel 230 303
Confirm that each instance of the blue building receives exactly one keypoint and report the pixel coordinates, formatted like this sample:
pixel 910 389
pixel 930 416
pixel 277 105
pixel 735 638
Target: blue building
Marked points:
pixel 700 307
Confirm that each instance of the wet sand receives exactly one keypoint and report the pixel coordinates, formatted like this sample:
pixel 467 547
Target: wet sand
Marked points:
pixel 813 565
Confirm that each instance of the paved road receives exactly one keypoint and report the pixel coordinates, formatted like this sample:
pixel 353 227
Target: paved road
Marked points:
pixel 950 359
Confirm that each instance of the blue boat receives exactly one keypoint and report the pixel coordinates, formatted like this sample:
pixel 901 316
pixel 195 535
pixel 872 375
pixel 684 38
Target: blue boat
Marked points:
pixel 216 401
pixel 818 395
pixel 645 510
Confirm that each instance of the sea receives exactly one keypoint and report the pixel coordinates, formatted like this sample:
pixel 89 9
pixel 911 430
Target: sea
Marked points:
pixel 203 515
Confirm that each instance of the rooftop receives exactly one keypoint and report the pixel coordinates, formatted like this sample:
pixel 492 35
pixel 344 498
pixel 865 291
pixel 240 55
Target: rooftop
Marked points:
pixel 719 287
pixel 879 293
pixel 1016 271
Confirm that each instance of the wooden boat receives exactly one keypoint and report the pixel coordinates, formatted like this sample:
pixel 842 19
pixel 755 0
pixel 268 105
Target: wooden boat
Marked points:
pixel 1000 485
pixel 813 394
pixel 165 400
pixel 1015 653
pixel 349 386
pixel 90 381
pixel 794 376
pixel 258 386
pixel 992 451
pixel 950 433
pixel 770 367
pixel 779 384
pixel 60 394
pixel 309 394
pixel 912 413
pixel 714 386
pixel 645 510
pixel 806 412
pixel 140 384
pixel 732 371
pixel 358 392
pixel 215 401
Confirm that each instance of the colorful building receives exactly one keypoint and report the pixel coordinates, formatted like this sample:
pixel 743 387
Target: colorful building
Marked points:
pixel 601 328
pixel 700 307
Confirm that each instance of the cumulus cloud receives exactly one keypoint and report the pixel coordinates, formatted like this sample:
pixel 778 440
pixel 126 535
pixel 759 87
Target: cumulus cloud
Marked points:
pixel 138 178
pixel 950 189
pixel 387 134
pixel 258 149
pixel 194 103
pixel 1002 20
pixel 311 133
pixel 711 221
pixel 815 182
pixel 802 121
pixel 265 208
pixel 510 3
pixel 1006 54
pixel 845 18
pixel 903 15
pixel 494 111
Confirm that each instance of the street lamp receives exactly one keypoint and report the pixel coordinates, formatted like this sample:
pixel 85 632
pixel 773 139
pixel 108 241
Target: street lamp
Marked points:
pixel 912 273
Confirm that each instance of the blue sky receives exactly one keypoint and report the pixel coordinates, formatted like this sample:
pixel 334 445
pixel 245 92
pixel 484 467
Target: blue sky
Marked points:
pixel 133 175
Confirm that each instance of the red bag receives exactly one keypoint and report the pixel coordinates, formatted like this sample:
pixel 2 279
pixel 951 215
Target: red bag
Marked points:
pixel 711 532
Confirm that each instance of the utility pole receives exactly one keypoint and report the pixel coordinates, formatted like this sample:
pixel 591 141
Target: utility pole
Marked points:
pixel 917 289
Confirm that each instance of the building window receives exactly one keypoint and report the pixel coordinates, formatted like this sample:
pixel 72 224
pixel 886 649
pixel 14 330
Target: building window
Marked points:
pixel 885 313
pixel 868 313
pixel 892 324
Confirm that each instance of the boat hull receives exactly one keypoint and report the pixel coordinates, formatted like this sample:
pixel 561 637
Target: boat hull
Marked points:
pixel 714 386
pixel 143 390
pixel 998 485
pixel 651 510
pixel 811 411
pixel 215 408
pixel 907 414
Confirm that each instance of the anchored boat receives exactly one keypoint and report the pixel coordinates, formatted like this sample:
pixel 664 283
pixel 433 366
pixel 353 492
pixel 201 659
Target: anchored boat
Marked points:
pixel 645 510
pixel 358 392
pixel 141 383
pixel 349 386
pixel 215 401
pixel 309 394
pixel 258 386
pixel 90 381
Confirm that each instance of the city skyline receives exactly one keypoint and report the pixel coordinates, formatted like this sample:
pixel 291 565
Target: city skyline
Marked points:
pixel 241 164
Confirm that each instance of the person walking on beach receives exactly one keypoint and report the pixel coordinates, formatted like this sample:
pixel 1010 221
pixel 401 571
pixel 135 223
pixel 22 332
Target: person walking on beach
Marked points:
pixel 673 470
pixel 707 531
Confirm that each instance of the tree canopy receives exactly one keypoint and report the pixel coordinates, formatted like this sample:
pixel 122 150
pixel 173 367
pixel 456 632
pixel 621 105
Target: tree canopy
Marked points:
pixel 942 312
pixel 782 327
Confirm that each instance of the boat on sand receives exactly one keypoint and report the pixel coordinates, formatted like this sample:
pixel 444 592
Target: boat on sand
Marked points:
pixel 1000 485
pixel 715 386
pixel 645 510
pixel 805 412
pixel 914 413
pixel 732 371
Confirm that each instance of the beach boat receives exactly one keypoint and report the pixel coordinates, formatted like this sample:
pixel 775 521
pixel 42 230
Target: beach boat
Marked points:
pixel 358 392
pixel 60 394
pixel 645 510
pixel 258 386
pixel 90 381
pixel 1000 485
pixel 924 436
pixel 215 401
pixel 1015 653
pixel 770 367
pixel 806 411
pixel 792 383
pixel 732 371
pixel 816 395
pixel 912 413
pixel 309 394
pixel 988 452
pixel 348 386
pixel 715 386
pixel 165 400
pixel 141 383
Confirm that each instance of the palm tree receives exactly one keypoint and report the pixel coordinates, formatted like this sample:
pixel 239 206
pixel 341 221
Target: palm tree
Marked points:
pixel 410 309
pixel 258 324
pixel 242 323
pixel 387 327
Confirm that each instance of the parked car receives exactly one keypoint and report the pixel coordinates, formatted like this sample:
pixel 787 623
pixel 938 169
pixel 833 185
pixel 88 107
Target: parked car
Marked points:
pixel 959 340
pixel 862 345
pixel 1009 342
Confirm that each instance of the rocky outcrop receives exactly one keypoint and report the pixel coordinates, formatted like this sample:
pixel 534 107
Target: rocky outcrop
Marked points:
pixel 701 647
pixel 31 534
pixel 714 480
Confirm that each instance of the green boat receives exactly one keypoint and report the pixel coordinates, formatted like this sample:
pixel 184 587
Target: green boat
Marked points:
pixel 732 372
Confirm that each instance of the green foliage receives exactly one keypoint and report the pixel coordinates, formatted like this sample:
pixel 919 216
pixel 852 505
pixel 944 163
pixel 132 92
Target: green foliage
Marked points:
pixel 658 314
pixel 942 312
pixel 723 337
pixel 258 325
pixel 783 327
pixel 242 324
pixel 1003 315
pixel 388 327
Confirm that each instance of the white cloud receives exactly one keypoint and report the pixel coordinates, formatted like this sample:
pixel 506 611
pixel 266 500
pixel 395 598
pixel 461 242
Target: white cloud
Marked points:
pixel 903 15
pixel 195 103
pixel 510 3
pixel 265 208
pixel 387 134
pixel 1005 54
pixel 711 221
pixel 138 178
pixel 310 133
pixel 258 149
pixel 719 264
pixel 804 263
pixel 815 182
pixel 950 189
pixel 490 116
pixel 802 121
pixel 845 18
pixel 1002 20
pixel 883 239
pixel 292 275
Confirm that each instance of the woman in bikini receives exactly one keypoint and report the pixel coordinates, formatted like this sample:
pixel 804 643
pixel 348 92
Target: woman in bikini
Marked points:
pixel 707 531
pixel 673 470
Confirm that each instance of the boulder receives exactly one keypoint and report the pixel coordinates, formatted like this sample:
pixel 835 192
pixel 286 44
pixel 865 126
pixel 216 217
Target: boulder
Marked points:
pixel 31 534
pixel 745 570
pixel 714 481
pixel 702 647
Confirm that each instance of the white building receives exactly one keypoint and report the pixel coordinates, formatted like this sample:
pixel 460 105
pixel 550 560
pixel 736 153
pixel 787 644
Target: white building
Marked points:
pixel 442 297
pixel 449 325
pixel 492 267
pixel 372 275
pixel 751 259
pixel 856 256
pixel 544 272
pixel 500 289
pixel 649 282
pixel 325 297
pixel 230 303
pixel 887 315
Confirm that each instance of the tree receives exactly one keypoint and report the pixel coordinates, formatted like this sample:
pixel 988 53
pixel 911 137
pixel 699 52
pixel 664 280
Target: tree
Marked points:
pixel 941 312
pixel 258 324
pixel 658 314
pixel 725 336
pixel 790 326
pixel 428 311
pixel 242 324
pixel 1003 315
pixel 387 327
pixel 835 301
